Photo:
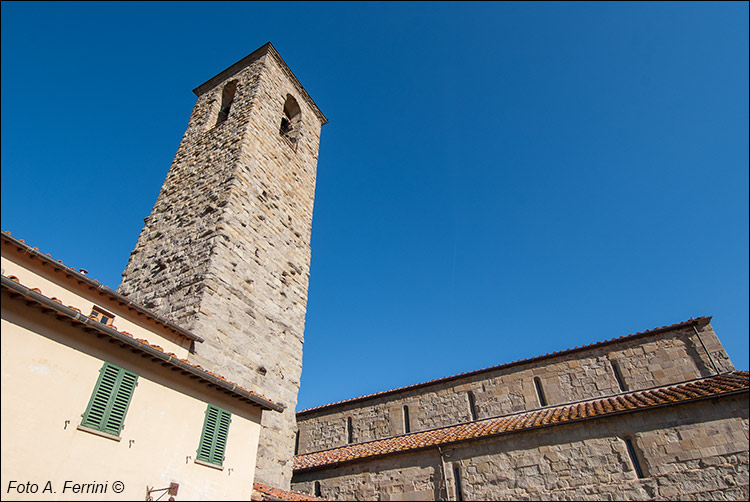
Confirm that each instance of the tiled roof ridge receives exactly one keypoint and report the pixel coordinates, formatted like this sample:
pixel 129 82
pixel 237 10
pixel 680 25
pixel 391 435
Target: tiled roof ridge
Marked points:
pixel 14 286
pixel 680 393
pixel 653 331
pixel 279 494
pixel 35 253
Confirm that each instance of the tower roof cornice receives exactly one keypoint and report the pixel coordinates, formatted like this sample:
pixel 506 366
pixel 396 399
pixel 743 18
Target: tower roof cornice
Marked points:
pixel 269 49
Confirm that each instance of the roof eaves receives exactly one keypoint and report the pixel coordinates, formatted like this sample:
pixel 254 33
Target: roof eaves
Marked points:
pixel 75 315
pixel 114 295
pixel 270 493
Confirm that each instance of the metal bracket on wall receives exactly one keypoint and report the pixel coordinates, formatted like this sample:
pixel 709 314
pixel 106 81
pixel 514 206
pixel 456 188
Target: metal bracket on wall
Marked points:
pixel 171 490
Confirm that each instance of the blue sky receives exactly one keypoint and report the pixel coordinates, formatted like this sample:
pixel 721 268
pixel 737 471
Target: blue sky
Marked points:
pixel 497 180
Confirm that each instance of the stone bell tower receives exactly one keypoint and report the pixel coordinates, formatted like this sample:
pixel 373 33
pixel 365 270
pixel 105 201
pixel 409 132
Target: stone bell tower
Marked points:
pixel 225 251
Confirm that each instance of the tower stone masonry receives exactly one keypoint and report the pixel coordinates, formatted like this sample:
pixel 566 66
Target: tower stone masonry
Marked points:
pixel 225 251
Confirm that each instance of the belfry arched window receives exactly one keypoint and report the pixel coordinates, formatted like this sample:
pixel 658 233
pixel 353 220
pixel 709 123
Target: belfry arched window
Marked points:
pixel 227 97
pixel 290 121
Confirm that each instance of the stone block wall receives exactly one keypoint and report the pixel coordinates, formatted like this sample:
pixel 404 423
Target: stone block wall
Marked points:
pixel 654 360
pixel 410 476
pixel 226 250
pixel 691 451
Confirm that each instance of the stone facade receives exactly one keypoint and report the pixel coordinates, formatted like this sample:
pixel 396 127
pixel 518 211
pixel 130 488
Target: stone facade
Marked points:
pixel 694 451
pixel 225 251
pixel 659 359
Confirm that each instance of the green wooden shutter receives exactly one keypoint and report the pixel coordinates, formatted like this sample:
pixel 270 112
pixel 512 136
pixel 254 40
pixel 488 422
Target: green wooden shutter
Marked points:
pixel 214 435
pixel 222 433
pixel 209 431
pixel 110 400
pixel 120 402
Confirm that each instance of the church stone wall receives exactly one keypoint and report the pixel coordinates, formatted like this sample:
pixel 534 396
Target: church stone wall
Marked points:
pixel 226 250
pixel 693 451
pixel 655 360
pixel 410 476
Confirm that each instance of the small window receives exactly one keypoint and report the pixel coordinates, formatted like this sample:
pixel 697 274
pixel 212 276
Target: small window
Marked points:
pixel 540 392
pixel 349 431
pixel 316 489
pixel 110 400
pixel 101 315
pixel 472 405
pixel 296 443
pixel 618 376
pixel 407 425
pixel 214 436
pixel 290 121
pixel 457 477
pixel 227 98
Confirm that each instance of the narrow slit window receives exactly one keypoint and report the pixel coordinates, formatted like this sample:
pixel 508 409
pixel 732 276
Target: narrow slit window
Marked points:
pixel 214 436
pixel 316 489
pixel 227 98
pixel 110 400
pixel 540 392
pixel 407 425
pixel 472 405
pixel 349 431
pixel 459 489
pixel 296 443
pixel 634 458
pixel 618 377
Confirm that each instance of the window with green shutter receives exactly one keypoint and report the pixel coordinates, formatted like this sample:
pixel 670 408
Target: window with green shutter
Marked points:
pixel 110 400
pixel 214 436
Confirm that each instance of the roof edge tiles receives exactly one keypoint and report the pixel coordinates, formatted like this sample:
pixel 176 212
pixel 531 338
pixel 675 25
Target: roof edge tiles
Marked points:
pixel 267 492
pixel 694 321
pixel 126 340
pixel 266 48
pixel 717 386
pixel 7 238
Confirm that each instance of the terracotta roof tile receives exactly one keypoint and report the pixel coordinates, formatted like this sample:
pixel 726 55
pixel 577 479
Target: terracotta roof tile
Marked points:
pixel 716 386
pixel 672 327
pixel 81 278
pixel 265 492
pixel 22 290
